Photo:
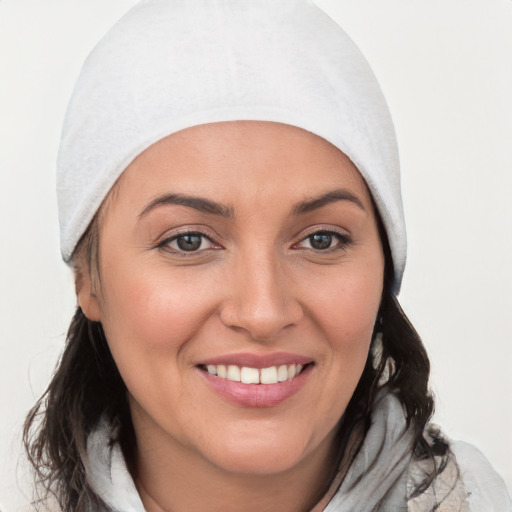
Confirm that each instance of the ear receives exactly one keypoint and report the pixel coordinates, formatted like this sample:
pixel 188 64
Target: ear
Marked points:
pixel 87 299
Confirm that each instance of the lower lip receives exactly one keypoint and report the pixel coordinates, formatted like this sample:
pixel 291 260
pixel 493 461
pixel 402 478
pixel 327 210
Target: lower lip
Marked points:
pixel 257 395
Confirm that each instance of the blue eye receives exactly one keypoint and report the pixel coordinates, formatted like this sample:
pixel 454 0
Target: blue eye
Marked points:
pixel 187 242
pixel 324 240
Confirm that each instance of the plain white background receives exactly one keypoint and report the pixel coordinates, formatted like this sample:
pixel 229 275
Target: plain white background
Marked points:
pixel 446 69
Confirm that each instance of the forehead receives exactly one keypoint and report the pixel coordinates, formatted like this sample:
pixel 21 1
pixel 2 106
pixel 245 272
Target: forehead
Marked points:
pixel 245 158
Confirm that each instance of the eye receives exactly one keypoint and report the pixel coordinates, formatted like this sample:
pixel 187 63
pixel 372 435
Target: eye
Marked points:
pixel 324 240
pixel 187 242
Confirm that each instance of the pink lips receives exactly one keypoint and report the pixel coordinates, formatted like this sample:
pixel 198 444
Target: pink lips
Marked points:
pixel 258 361
pixel 257 395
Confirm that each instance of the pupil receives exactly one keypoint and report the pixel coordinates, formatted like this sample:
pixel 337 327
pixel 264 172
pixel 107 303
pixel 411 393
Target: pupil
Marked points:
pixel 189 242
pixel 320 240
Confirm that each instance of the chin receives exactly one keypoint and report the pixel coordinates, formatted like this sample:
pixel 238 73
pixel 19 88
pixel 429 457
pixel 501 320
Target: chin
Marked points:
pixel 267 455
pixel 268 460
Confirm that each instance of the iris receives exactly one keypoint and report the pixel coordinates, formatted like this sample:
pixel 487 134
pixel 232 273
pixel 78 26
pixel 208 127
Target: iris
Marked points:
pixel 190 242
pixel 320 240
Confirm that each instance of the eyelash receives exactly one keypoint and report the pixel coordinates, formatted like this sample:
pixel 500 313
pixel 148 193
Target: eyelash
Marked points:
pixel 343 242
pixel 165 244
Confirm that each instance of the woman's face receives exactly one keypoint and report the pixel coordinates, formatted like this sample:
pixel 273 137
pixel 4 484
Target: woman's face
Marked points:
pixel 241 250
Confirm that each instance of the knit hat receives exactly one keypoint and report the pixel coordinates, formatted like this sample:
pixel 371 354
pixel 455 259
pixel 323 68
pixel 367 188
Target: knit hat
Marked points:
pixel 172 64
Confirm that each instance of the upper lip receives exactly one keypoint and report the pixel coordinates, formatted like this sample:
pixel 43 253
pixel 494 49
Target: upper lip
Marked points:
pixel 257 360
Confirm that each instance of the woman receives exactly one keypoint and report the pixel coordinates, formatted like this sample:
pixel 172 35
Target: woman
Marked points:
pixel 229 201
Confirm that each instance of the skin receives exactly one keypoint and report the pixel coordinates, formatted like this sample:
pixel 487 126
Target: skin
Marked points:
pixel 257 285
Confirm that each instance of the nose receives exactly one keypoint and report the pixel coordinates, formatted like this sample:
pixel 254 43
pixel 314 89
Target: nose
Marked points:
pixel 261 300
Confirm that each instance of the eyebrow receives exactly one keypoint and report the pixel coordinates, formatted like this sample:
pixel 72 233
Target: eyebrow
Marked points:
pixel 198 203
pixel 207 206
pixel 332 196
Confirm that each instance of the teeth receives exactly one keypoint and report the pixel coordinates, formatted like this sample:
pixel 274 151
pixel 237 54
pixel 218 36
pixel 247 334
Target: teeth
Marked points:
pixel 233 373
pixel 282 373
pixel 268 375
pixel 247 375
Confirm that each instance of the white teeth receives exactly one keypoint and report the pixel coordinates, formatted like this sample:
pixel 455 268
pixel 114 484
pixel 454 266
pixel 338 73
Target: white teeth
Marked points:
pixel 233 373
pixel 268 375
pixel 248 375
pixel 282 373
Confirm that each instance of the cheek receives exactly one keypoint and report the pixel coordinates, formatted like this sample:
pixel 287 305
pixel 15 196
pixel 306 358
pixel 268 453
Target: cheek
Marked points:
pixel 151 313
pixel 347 311
pixel 349 307
pixel 346 314
pixel 150 321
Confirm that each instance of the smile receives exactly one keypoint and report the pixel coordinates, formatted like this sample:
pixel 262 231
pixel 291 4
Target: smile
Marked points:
pixel 257 381
pixel 248 375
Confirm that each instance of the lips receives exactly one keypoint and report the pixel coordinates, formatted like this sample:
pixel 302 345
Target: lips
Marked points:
pixel 256 381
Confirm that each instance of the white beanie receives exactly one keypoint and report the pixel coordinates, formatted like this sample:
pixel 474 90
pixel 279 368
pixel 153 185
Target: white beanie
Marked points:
pixel 172 64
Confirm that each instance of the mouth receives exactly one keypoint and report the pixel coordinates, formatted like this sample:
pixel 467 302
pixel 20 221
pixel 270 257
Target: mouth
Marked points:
pixel 257 382
pixel 250 375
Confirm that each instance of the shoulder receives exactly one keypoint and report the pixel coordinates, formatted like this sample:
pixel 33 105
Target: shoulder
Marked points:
pixel 486 489
pixel 466 481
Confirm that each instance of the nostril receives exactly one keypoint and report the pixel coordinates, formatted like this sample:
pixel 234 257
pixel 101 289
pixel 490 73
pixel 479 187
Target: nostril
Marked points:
pixel 263 321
